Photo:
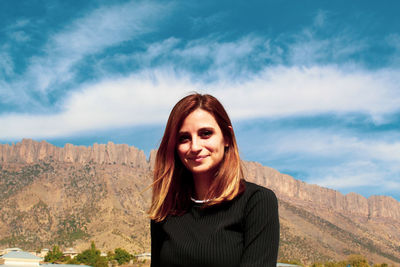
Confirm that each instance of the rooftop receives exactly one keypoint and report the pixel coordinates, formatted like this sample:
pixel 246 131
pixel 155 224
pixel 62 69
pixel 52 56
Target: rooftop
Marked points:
pixel 20 255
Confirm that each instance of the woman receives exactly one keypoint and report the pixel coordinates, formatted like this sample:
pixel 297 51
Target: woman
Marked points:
pixel 203 212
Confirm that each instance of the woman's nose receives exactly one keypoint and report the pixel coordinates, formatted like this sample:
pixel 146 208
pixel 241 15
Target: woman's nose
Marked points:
pixel 195 145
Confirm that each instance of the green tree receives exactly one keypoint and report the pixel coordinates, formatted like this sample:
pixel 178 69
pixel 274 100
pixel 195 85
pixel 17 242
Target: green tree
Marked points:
pixel 54 255
pixel 122 256
pixel 73 261
pixel 101 262
pixel 92 257
pixel 356 260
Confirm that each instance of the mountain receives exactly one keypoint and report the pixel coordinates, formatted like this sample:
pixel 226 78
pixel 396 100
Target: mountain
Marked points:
pixel 73 194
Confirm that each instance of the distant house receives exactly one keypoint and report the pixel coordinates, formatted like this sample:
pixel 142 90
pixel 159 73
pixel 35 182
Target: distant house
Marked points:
pixel 20 258
pixel 70 252
pixel 286 265
pixel 6 250
pixel 26 259
pixel 143 256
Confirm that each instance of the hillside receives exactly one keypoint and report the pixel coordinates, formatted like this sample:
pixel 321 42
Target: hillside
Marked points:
pixel 71 195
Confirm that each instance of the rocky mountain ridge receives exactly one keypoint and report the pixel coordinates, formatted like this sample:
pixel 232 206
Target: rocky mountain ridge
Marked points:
pixel 285 186
pixel 288 188
pixel 30 151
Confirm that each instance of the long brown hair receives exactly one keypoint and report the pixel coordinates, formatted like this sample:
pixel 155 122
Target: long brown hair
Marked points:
pixel 172 185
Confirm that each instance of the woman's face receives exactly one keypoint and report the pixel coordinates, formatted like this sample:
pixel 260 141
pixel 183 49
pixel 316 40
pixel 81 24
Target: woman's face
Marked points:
pixel 201 144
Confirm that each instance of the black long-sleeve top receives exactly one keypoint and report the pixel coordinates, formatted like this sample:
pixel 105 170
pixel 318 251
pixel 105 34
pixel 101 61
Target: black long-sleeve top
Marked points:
pixel 241 232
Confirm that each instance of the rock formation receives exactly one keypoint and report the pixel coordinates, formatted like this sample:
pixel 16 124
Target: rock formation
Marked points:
pixel 29 151
pixel 288 188
pixel 73 194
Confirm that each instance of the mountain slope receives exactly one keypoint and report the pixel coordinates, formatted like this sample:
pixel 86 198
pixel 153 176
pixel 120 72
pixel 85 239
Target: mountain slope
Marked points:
pixel 71 195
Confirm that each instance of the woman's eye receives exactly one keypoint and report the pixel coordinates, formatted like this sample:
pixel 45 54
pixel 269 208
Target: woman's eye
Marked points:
pixel 206 133
pixel 183 139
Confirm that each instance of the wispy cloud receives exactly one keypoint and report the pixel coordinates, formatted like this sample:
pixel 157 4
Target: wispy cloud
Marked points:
pixel 103 28
pixel 285 91
pixel 333 157
pixel 244 73
pixel 320 19
pixel 210 58
pixel 20 23
pixel 315 44
pixel 109 103
pixel 277 91
pixel 20 36
pixel 393 40
pixel 374 178
pixel 17 32
pixel 6 65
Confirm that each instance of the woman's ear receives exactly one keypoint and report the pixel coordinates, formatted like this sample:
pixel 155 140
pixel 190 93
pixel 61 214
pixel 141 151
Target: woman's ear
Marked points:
pixel 227 138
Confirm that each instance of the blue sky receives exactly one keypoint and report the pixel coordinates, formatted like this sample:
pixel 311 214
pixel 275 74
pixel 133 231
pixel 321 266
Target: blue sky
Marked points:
pixel 313 87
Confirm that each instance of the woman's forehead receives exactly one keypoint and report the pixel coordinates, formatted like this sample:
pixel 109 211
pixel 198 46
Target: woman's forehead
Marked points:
pixel 199 118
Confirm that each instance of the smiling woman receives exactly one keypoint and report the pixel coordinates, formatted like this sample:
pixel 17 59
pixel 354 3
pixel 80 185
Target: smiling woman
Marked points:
pixel 203 212
pixel 201 148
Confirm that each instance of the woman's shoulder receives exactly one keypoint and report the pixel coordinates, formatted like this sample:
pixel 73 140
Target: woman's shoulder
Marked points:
pixel 255 193
pixel 252 188
pixel 258 200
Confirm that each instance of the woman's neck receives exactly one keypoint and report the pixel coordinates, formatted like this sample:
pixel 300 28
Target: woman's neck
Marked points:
pixel 202 184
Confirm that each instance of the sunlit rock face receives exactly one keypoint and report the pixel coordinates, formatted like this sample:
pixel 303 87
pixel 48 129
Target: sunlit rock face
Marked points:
pixel 297 191
pixel 29 151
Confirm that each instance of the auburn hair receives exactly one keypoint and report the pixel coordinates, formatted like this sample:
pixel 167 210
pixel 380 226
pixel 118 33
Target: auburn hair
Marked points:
pixel 173 183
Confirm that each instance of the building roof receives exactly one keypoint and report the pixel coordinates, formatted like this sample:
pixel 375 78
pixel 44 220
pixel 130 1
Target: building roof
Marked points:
pixel 286 265
pixel 44 265
pixel 12 249
pixel 20 255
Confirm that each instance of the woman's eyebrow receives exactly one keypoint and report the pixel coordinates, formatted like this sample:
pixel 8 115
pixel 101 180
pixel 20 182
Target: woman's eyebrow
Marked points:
pixel 200 129
pixel 206 128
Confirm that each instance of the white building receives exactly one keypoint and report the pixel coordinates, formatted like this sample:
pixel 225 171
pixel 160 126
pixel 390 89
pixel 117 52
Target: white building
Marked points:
pixel 25 259
pixel 6 250
pixel 20 258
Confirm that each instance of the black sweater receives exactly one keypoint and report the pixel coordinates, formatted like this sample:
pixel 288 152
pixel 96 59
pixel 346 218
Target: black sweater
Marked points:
pixel 241 232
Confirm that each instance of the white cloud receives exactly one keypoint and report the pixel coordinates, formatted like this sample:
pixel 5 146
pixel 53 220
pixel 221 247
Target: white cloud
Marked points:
pixel 201 23
pixel 103 28
pixel 217 57
pixel 277 91
pixel 20 23
pixel 379 178
pixel 334 144
pixel 142 98
pixel 333 157
pixel 6 64
pixel 20 36
pixel 349 162
pixel 320 19
pixel 394 41
pixel 286 91
pixel 308 49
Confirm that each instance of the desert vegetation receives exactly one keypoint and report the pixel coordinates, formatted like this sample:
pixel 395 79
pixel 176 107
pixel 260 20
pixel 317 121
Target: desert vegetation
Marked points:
pixel 92 257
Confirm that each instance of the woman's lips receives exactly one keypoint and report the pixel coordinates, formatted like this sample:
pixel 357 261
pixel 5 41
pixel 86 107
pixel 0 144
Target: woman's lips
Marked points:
pixel 198 158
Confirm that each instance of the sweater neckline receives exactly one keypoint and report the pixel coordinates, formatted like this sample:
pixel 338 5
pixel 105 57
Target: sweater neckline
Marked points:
pixel 200 201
